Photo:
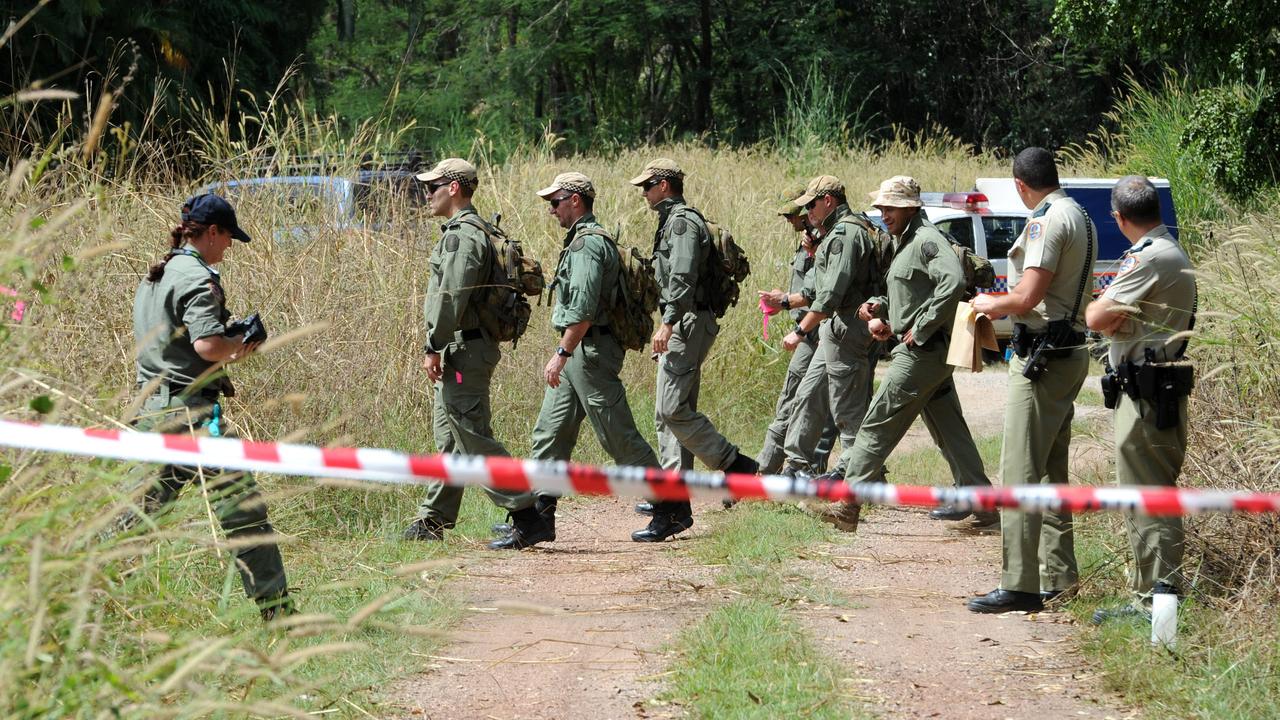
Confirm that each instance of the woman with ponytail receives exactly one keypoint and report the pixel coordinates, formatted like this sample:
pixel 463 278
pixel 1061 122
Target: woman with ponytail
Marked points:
pixel 180 328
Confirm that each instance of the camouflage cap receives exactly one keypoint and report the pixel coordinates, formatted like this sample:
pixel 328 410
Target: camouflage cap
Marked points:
pixel 897 191
pixel 658 168
pixel 452 169
pixel 572 182
pixel 819 186
pixel 787 203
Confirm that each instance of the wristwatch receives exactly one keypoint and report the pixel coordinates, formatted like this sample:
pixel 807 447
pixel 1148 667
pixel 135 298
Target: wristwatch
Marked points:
pixel 563 353
pixel 801 333
pixel 786 302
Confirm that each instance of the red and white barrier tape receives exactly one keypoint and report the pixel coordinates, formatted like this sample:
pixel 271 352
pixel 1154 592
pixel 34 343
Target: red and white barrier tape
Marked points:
pixel 562 478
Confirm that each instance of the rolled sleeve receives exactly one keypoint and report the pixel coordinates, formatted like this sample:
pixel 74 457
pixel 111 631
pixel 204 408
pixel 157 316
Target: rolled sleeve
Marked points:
pixel 201 311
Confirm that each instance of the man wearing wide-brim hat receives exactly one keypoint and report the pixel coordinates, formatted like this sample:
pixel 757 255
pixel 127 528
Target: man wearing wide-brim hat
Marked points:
pixel 925 282
pixel 682 246
pixel 795 301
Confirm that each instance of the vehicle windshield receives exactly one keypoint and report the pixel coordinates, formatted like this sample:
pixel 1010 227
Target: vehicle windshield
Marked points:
pixel 1001 232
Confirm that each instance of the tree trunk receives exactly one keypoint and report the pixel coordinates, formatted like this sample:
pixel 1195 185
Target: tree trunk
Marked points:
pixel 346 20
pixel 702 100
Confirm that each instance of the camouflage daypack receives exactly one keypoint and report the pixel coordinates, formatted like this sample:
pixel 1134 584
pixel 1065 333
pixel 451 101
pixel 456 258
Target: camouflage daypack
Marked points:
pixel 979 274
pixel 635 297
pixel 727 266
pixel 882 252
pixel 503 305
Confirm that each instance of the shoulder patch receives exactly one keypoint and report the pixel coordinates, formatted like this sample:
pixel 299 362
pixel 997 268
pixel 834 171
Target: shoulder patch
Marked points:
pixel 929 249
pixel 680 226
pixel 1035 229
pixel 1127 265
pixel 451 242
pixel 216 289
pixel 578 243
pixel 836 246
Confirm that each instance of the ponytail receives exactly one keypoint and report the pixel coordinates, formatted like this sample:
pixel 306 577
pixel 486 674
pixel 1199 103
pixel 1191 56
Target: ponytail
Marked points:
pixel 178 236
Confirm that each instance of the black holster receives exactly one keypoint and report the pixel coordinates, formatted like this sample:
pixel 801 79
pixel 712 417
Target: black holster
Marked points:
pixel 1057 341
pixel 1162 384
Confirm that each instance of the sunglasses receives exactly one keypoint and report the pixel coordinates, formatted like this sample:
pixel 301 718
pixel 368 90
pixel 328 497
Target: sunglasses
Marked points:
pixel 555 201
pixel 433 187
pixel 651 184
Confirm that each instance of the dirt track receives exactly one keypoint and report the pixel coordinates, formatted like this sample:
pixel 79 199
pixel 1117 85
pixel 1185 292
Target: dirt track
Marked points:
pixel 582 629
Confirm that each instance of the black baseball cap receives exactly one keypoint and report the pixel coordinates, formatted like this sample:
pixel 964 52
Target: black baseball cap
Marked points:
pixel 210 209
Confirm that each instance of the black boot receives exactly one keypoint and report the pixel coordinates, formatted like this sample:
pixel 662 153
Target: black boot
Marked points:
pixel 528 528
pixel 742 464
pixel 425 529
pixel 275 607
pixel 546 506
pixel 669 518
pixel 1003 601
pixel 644 507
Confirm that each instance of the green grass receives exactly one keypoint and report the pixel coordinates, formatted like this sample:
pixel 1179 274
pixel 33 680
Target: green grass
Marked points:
pixel 748 660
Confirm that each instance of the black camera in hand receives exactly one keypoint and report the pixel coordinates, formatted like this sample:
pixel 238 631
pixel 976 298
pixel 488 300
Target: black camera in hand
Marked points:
pixel 251 328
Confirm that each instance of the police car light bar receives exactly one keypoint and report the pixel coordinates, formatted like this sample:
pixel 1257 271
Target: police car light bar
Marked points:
pixel 965 200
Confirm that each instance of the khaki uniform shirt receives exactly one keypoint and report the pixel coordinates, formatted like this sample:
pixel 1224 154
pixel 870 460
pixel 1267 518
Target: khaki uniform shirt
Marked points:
pixel 925 282
pixel 460 265
pixel 586 276
pixel 842 264
pixel 680 249
pixel 186 304
pixel 1155 277
pixel 1056 238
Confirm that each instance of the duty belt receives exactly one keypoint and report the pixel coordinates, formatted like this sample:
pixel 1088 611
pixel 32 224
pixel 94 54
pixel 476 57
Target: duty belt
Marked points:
pixel 209 391
pixel 1023 341
pixel 698 307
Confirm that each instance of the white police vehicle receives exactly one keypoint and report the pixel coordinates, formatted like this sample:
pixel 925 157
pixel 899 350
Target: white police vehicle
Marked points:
pixel 990 218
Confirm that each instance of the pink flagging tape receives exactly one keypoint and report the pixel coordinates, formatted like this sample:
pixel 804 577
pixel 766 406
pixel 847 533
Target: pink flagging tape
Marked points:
pixel 562 478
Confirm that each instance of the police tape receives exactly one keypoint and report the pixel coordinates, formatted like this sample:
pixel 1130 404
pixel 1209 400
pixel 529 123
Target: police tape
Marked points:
pixel 564 478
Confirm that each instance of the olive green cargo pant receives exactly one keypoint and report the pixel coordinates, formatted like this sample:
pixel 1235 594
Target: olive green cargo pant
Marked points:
pixel 1146 455
pixel 460 420
pixel 918 383
pixel 773 453
pixel 590 390
pixel 1039 548
pixel 683 432
pixel 234 496
pixel 837 385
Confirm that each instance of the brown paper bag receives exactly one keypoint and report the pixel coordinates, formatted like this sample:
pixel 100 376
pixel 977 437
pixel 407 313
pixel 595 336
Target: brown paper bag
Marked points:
pixel 971 332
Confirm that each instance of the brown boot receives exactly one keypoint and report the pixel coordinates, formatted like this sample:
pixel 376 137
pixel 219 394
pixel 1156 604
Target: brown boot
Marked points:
pixel 843 515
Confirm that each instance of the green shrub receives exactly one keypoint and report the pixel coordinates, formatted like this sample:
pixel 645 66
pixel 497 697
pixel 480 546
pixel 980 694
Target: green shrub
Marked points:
pixel 1235 131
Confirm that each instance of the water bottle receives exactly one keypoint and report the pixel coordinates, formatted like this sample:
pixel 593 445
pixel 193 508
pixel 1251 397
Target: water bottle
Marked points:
pixel 1164 616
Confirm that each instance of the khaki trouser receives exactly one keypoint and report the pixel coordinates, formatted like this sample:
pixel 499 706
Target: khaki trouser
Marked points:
pixel 234 495
pixel 1039 548
pixel 842 368
pixel 773 453
pixel 460 420
pixel 683 432
pixel 1147 456
pixel 590 390
pixel 918 383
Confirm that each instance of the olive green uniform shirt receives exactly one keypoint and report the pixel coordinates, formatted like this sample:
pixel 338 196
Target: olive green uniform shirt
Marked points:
pixel 926 281
pixel 459 267
pixel 842 265
pixel 186 304
pixel 680 250
pixel 802 280
pixel 1056 238
pixel 586 276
